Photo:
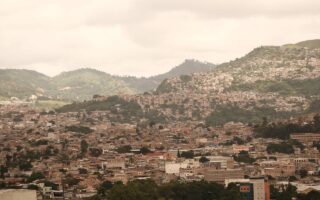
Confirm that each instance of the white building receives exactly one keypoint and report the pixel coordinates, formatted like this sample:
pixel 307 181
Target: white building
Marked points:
pixel 174 168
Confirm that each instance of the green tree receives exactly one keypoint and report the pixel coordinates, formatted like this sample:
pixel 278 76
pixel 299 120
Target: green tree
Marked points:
pixel 280 148
pixel 3 170
pixel 96 152
pixel 285 192
pixel 145 150
pixel 25 165
pixel 303 173
pixel 244 157
pixel 148 189
pixel 33 187
pixel 124 149
pixel 264 121
pixel 64 158
pixel 316 122
pixel 79 129
pixel 187 154
pixel 84 147
pixel 83 171
pixel 51 184
pixel 104 187
pixel 35 176
pixel 135 190
pixel 292 178
pixel 313 195
pixel 71 181
pixel 203 159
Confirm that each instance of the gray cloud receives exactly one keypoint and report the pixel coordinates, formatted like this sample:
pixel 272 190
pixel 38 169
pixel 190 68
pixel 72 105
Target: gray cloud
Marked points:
pixel 145 37
pixel 234 8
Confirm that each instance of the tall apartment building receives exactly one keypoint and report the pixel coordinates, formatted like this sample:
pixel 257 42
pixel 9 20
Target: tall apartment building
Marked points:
pixel 253 188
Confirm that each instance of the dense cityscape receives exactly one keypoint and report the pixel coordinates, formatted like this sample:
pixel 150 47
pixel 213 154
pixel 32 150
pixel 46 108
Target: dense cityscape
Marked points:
pixel 92 154
pixel 220 134
pixel 160 100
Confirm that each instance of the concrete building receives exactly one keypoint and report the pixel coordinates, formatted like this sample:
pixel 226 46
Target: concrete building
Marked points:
pixel 306 137
pixel 174 167
pixel 13 194
pixel 253 188
pixel 280 170
pixel 115 163
pixel 224 162
pixel 220 175
pixel 260 189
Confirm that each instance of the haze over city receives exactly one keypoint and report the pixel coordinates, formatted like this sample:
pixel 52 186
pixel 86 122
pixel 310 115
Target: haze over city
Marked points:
pixel 160 100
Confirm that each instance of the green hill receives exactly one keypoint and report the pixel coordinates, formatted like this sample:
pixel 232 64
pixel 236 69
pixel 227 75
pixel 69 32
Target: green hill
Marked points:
pixel 312 44
pixel 22 83
pixel 123 111
pixel 84 83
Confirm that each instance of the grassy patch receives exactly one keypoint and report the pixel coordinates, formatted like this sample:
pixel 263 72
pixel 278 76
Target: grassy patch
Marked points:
pixel 50 104
pixel 307 87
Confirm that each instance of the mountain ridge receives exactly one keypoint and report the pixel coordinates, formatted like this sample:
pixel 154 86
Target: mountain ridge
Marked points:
pixel 83 83
pixel 189 66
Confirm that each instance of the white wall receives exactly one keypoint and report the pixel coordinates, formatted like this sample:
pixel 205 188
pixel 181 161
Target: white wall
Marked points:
pixel 172 168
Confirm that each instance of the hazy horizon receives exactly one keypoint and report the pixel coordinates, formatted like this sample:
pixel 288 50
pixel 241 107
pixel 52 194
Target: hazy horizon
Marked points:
pixel 120 75
pixel 143 39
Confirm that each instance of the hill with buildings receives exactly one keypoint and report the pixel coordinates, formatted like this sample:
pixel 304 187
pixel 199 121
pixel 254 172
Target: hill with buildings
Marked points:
pixel 274 81
pixel 188 67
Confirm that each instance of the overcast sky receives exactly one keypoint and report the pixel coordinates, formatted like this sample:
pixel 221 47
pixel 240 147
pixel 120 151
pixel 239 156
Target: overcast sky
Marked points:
pixel 145 37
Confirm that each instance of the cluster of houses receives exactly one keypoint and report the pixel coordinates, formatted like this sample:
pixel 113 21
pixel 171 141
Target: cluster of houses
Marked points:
pixel 75 161
pixel 201 92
